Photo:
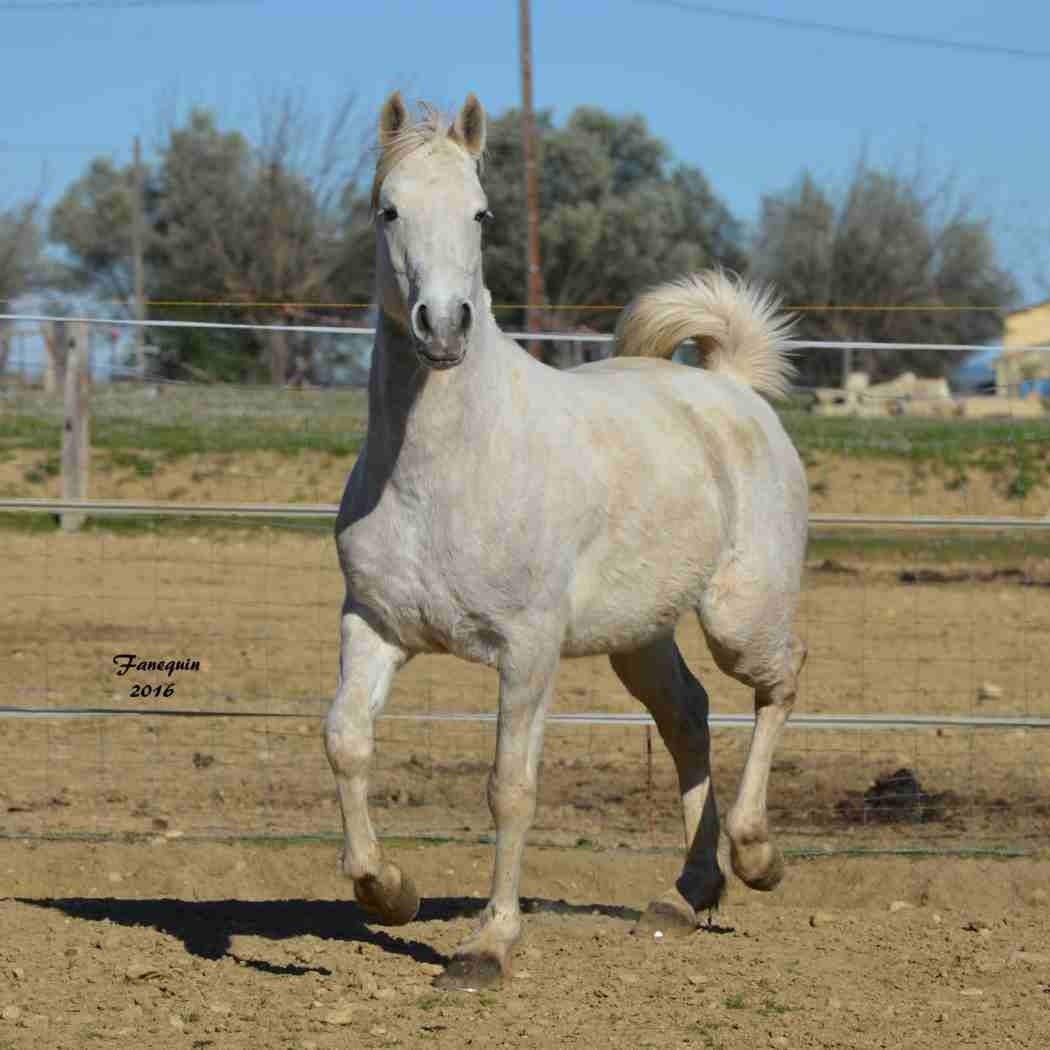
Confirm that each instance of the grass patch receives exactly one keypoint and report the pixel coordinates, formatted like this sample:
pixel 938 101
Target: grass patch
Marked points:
pixel 212 529
pixel 182 421
pixel 735 1002
pixel 947 440
pixel 30 522
pixel 176 440
pixel 127 460
pixel 27 431
pixel 1016 449
pixel 39 472
pixel 186 421
pixel 862 545
pixel 704 1031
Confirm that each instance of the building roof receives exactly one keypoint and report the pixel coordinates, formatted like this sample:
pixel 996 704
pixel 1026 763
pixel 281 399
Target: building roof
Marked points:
pixel 1028 326
pixel 1042 304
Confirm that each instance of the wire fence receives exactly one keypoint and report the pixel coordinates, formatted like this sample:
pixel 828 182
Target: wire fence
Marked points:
pixel 922 721
pixel 565 348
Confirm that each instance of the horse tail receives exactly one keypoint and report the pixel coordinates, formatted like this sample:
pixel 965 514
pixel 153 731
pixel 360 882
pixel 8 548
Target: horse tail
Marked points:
pixel 735 325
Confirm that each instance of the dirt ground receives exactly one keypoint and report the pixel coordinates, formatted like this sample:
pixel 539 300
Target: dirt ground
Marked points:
pixel 165 933
pixel 259 614
pixel 191 945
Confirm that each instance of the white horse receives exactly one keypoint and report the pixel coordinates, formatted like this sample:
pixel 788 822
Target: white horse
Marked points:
pixel 512 514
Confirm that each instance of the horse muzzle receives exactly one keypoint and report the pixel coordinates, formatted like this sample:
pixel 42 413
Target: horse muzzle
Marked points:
pixel 442 332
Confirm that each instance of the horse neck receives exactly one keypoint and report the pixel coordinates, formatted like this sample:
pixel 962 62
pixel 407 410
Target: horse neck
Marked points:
pixel 415 413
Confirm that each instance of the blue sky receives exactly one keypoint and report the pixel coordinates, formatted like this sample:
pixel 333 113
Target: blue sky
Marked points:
pixel 751 104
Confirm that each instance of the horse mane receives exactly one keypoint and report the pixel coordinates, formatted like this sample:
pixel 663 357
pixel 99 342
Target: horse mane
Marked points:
pixel 433 128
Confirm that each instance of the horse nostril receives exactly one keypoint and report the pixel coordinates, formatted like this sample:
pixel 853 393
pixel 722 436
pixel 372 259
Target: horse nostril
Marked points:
pixel 466 318
pixel 420 321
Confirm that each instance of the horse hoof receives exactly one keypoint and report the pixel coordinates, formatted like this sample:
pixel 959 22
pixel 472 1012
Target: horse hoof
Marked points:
pixel 702 889
pixel 759 866
pixel 391 909
pixel 671 915
pixel 470 973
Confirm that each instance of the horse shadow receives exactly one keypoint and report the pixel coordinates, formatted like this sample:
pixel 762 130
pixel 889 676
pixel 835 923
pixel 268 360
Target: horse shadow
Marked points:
pixel 207 928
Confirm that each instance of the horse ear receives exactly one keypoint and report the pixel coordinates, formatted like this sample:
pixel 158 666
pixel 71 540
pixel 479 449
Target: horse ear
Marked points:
pixel 469 128
pixel 392 119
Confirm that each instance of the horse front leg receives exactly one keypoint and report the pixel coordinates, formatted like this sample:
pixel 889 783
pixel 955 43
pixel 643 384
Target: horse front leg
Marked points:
pixel 484 958
pixel 367 665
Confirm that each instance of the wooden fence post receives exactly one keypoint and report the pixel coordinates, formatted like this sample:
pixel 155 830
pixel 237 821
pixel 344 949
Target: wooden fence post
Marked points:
pixel 7 341
pixel 54 372
pixel 76 448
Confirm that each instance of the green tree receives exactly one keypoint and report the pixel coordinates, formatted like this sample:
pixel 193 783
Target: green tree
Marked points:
pixel 20 263
pixel 887 241
pixel 258 221
pixel 92 221
pixel 616 215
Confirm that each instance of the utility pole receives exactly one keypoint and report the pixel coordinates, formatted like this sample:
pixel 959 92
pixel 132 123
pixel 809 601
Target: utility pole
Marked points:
pixel 136 250
pixel 534 296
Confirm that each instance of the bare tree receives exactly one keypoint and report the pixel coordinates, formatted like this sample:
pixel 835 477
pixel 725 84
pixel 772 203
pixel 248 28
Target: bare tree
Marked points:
pixel 268 230
pixel 255 219
pixel 305 165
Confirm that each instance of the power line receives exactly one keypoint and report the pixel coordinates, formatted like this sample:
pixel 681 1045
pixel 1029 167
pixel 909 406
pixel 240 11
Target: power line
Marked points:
pixel 804 25
pixel 287 304
pixel 15 6
pixel 27 147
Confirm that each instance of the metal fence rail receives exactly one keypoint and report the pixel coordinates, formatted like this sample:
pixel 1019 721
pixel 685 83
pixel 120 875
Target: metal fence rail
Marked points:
pixel 716 721
pixel 328 512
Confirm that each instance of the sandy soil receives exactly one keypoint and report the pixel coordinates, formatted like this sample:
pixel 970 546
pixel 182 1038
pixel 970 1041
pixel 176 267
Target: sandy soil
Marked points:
pixel 182 945
pixel 259 613
pixel 258 610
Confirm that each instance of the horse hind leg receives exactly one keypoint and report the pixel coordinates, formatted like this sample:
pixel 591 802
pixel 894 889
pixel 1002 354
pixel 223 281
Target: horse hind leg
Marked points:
pixel 755 645
pixel 657 675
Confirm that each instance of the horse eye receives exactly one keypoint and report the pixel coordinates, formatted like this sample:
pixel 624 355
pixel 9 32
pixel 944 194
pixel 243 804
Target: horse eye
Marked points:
pixel 390 214
pixel 484 216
